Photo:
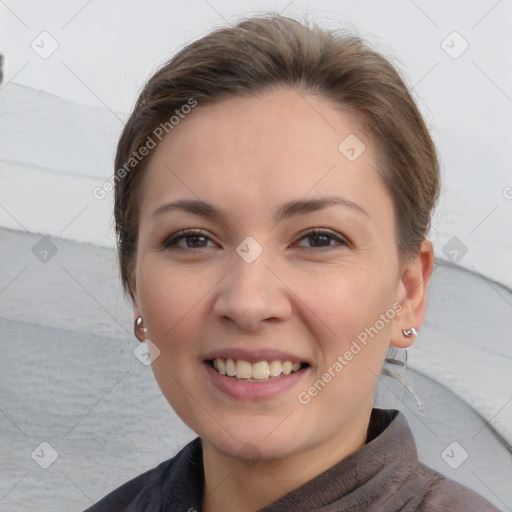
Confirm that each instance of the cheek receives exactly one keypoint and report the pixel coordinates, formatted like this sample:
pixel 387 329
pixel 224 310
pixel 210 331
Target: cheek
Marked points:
pixel 170 298
pixel 348 301
pixel 353 337
pixel 366 326
pixel 173 308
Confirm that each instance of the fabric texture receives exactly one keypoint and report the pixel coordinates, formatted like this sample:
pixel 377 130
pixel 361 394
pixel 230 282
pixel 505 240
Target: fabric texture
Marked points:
pixel 383 475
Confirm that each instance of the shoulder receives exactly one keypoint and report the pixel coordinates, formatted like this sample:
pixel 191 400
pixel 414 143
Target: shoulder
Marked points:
pixel 147 490
pixel 127 495
pixel 412 486
pixel 445 495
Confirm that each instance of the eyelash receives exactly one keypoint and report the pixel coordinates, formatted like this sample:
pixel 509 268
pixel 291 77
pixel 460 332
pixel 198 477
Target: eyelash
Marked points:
pixel 173 239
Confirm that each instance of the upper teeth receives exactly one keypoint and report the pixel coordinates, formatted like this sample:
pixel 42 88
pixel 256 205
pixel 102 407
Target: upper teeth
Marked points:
pixel 261 370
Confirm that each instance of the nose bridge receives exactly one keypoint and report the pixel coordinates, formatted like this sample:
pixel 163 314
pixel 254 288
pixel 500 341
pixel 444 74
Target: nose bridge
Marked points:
pixel 251 278
pixel 251 293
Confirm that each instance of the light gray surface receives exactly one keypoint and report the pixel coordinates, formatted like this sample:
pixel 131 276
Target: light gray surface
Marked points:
pixel 68 377
pixel 55 151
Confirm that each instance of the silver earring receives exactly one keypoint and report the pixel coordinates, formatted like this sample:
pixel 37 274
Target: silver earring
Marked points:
pixel 138 322
pixel 409 332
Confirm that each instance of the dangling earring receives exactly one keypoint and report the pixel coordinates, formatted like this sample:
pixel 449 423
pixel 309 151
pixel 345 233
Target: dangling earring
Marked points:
pixel 409 332
pixel 138 323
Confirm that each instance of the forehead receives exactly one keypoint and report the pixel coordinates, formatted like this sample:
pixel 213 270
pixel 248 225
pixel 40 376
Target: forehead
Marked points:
pixel 262 150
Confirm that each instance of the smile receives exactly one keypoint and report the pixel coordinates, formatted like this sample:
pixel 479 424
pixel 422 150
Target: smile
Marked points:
pixel 260 371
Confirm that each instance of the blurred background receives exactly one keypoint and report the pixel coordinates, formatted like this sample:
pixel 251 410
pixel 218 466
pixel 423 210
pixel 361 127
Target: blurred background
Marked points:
pixel 80 412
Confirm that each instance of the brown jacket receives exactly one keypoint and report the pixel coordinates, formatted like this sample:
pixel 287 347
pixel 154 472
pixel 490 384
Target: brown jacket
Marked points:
pixel 384 475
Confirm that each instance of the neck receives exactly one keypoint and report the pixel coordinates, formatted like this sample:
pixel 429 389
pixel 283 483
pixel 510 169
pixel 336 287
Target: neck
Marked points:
pixel 234 485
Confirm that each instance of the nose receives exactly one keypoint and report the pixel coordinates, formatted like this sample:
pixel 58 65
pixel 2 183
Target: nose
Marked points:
pixel 252 295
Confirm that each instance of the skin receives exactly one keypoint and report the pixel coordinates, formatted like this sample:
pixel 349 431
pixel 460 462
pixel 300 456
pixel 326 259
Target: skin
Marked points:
pixel 307 296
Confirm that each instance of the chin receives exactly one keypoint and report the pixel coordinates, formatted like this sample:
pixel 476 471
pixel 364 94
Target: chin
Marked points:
pixel 254 439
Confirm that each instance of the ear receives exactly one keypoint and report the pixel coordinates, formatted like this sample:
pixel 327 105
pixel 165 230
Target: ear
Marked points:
pixel 138 330
pixel 412 294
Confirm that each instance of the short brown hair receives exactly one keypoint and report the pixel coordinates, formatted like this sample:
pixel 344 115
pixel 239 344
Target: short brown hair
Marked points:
pixel 268 51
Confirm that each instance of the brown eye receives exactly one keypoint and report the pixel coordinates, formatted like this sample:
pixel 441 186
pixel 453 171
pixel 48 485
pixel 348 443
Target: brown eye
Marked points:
pixel 187 240
pixel 319 238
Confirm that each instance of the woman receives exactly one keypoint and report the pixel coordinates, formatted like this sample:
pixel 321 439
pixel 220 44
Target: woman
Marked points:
pixel 274 188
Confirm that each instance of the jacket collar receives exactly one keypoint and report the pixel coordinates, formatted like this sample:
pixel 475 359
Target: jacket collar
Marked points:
pixel 361 479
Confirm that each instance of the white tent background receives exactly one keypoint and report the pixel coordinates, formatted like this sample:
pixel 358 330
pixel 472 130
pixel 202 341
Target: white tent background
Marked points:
pixel 68 374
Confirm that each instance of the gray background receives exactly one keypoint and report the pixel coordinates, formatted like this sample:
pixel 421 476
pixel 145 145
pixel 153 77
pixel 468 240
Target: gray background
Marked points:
pixel 68 373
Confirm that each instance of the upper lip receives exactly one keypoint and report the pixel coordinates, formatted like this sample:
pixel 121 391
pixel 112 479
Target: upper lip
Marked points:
pixel 252 356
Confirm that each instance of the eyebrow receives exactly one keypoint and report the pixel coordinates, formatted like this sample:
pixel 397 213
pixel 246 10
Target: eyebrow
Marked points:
pixel 287 210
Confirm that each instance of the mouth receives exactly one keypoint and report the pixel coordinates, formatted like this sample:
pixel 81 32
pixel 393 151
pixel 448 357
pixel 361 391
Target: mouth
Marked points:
pixel 257 372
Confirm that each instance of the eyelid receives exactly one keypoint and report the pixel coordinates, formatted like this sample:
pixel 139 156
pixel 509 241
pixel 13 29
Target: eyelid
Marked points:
pixel 324 231
pixel 175 237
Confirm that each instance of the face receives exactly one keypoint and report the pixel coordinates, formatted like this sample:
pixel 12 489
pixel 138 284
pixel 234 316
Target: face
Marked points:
pixel 279 248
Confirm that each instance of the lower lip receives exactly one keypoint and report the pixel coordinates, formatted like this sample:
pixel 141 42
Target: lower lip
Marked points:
pixel 254 390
